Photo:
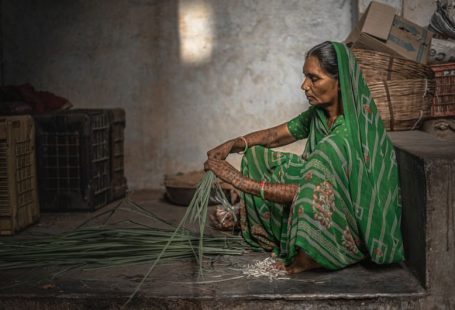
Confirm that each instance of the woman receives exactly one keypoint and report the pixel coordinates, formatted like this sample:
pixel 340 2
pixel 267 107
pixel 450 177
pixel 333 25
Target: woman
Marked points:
pixel 340 202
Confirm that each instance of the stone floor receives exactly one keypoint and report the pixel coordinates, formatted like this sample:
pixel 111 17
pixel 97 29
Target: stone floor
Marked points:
pixel 176 285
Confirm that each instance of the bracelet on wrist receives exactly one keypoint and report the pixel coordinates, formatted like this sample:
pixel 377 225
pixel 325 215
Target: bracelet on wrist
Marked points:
pixel 246 145
pixel 261 191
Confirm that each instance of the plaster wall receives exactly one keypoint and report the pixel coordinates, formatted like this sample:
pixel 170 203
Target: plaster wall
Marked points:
pixel 112 53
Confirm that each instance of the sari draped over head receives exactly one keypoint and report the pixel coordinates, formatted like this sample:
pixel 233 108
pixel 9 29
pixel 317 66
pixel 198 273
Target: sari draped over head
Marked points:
pixel 348 205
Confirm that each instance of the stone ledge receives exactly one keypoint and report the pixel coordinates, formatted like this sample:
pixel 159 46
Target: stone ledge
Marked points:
pixel 426 168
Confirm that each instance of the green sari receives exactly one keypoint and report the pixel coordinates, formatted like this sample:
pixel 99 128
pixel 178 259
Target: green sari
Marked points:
pixel 348 204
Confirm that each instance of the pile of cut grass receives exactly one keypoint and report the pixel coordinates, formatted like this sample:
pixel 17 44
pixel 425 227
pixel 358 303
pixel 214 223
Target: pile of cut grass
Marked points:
pixel 106 246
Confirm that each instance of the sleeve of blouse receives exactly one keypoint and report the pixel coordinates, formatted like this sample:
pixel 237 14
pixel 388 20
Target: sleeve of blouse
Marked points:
pixel 299 127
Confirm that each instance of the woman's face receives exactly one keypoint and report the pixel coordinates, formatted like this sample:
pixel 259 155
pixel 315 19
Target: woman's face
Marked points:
pixel 319 87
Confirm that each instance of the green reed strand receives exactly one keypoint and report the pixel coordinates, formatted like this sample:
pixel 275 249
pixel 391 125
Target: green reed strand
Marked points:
pixel 104 247
pixel 195 212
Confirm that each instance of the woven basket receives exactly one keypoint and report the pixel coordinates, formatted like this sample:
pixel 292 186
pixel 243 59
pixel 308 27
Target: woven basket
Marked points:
pixel 403 104
pixel 377 67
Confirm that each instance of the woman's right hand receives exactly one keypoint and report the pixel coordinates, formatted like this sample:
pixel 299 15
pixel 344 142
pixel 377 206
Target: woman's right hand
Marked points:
pixel 272 137
pixel 221 151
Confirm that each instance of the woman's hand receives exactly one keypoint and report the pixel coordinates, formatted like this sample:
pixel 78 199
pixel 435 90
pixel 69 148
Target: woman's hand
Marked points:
pixel 272 137
pixel 221 151
pixel 224 171
pixel 276 192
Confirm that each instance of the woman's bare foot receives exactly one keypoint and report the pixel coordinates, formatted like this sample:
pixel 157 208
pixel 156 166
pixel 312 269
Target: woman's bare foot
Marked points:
pixel 280 265
pixel 223 219
pixel 302 262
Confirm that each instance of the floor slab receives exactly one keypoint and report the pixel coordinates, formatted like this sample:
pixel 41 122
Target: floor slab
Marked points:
pixel 223 277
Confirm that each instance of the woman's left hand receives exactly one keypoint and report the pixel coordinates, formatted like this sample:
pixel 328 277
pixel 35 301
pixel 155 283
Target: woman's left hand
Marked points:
pixel 223 170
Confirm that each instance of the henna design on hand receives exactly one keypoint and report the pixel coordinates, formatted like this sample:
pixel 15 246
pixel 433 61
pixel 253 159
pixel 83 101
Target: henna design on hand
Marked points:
pixel 223 170
pixel 223 150
pixel 272 137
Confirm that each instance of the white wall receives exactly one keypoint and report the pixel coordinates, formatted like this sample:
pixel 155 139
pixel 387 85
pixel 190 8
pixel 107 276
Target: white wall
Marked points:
pixel 127 54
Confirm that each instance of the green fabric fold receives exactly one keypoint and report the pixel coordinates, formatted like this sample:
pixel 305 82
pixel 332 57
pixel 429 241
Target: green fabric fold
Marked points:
pixel 348 206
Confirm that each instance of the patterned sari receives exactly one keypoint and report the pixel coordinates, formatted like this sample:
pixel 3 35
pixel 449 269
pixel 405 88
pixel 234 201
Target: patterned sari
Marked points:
pixel 348 204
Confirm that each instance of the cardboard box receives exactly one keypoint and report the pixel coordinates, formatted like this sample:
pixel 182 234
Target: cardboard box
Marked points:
pixel 442 51
pixel 362 5
pixel 380 29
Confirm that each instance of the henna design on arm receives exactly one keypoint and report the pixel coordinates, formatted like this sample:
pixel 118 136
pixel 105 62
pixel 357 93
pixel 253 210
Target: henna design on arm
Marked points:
pixel 281 193
pixel 272 137
pixel 276 192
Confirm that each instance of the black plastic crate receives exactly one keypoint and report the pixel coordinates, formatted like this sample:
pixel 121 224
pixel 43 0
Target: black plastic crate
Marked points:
pixel 117 119
pixel 118 180
pixel 73 155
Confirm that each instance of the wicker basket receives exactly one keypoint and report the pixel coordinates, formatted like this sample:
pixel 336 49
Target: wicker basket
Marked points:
pixel 377 67
pixel 403 104
pixel 444 99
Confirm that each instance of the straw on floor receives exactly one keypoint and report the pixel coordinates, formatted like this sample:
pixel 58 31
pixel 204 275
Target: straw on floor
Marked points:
pixel 107 246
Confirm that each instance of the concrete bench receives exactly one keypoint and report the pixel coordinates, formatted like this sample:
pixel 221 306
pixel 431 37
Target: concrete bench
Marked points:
pixel 427 177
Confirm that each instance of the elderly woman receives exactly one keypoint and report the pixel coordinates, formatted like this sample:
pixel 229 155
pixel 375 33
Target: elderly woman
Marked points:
pixel 338 203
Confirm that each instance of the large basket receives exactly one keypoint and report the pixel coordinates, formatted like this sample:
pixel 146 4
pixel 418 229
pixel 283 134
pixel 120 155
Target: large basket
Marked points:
pixel 377 67
pixel 403 104
pixel 444 99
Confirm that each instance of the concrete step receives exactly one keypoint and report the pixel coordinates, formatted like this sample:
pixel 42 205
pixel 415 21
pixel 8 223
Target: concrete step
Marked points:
pixel 177 285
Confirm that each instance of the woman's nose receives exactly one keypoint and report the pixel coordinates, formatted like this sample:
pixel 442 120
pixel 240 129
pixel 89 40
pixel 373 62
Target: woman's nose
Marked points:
pixel 305 86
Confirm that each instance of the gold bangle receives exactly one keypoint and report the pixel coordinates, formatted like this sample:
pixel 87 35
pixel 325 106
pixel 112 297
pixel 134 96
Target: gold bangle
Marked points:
pixel 246 145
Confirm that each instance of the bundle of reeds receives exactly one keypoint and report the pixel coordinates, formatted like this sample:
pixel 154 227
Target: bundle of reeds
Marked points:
pixel 377 67
pixel 106 246
pixel 403 104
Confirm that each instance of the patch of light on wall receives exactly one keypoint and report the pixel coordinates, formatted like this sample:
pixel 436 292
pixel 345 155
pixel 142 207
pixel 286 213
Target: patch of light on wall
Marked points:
pixel 195 31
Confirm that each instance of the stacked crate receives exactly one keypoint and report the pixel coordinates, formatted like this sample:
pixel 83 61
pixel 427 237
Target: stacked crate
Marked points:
pixel 117 141
pixel 444 99
pixel 80 158
pixel 117 123
pixel 18 191
pixel 73 153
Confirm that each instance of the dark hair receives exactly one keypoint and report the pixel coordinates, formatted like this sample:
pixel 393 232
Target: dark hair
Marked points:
pixel 327 56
